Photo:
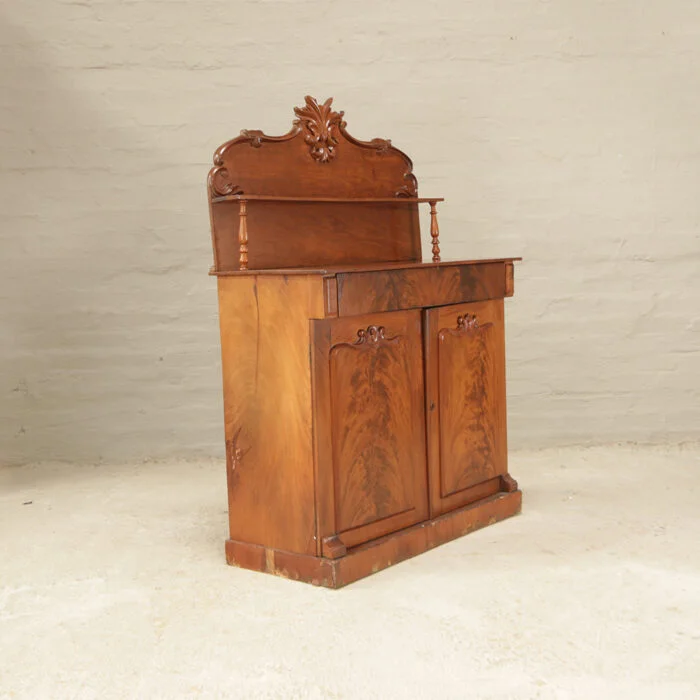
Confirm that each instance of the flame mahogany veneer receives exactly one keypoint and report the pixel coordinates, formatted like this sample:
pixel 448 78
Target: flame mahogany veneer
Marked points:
pixel 364 390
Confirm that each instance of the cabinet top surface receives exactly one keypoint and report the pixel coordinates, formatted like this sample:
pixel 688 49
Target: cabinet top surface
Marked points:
pixel 332 270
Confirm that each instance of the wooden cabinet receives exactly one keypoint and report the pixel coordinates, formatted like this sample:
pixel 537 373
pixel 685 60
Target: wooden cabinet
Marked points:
pixel 364 390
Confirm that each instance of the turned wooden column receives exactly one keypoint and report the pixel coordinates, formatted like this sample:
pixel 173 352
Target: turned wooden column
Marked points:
pixel 243 235
pixel 434 232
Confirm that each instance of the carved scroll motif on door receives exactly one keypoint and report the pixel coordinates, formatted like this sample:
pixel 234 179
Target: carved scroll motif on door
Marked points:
pixel 466 323
pixel 368 338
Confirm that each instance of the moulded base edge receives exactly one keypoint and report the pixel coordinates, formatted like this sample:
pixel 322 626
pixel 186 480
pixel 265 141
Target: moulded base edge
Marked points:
pixel 378 554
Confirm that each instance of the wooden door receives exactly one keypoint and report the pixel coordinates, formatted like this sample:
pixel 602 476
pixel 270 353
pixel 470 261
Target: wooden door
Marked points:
pixel 369 427
pixel 466 403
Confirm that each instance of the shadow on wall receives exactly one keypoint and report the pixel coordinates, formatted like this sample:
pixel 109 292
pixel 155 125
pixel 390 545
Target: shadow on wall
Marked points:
pixel 108 320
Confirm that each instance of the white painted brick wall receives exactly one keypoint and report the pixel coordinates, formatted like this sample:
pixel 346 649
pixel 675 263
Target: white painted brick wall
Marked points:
pixel 567 132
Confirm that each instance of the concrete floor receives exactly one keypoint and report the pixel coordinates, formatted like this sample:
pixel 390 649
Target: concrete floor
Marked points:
pixel 113 585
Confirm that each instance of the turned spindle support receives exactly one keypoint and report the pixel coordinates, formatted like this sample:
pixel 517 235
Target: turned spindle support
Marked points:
pixel 434 232
pixel 243 235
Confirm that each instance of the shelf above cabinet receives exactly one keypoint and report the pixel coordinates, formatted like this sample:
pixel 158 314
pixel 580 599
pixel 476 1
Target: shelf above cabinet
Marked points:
pixel 326 200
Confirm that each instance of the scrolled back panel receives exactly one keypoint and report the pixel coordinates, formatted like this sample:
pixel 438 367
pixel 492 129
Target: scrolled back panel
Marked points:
pixel 316 158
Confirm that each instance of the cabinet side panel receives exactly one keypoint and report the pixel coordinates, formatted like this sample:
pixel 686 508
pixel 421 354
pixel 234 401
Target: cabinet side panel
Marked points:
pixel 267 408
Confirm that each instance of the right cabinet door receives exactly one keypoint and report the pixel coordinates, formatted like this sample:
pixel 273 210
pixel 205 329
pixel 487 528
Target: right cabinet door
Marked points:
pixel 465 403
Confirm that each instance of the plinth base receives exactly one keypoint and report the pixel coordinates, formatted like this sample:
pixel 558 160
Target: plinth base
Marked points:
pixel 378 554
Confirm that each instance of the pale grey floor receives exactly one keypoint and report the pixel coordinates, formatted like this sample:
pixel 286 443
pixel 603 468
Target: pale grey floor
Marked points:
pixel 113 585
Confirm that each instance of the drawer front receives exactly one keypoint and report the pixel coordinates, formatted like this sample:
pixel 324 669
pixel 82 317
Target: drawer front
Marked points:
pixel 371 476
pixel 393 290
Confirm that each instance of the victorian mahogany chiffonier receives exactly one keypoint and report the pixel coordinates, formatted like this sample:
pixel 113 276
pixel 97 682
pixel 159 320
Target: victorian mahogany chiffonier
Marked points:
pixel 364 390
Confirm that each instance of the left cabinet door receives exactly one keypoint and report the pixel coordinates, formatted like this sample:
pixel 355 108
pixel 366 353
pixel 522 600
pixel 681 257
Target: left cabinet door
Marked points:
pixel 369 427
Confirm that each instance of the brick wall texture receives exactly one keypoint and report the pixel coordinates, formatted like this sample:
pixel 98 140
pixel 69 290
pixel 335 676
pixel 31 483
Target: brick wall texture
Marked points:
pixel 565 131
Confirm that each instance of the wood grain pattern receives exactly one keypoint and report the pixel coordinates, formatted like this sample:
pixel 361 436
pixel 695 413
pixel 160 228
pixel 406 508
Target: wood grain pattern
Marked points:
pixel 330 293
pixel 370 387
pixel 302 234
pixel 466 399
pixel 317 158
pixel 320 337
pixel 469 441
pixel 363 390
pixel 267 408
pixel 391 290
pixel 377 444
pixel 379 554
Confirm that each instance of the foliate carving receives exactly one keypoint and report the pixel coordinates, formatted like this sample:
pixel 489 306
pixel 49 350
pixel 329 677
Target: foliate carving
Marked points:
pixel 321 125
pixel 410 189
pixel 373 334
pixel 253 136
pixel 368 338
pixel 221 184
pixel 382 145
pixel 323 129
pixel 467 322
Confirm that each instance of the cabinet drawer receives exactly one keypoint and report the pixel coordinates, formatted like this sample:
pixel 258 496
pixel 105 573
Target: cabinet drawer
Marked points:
pixel 411 288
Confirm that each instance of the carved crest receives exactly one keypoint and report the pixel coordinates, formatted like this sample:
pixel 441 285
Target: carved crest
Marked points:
pixel 220 180
pixel 320 131
pixel 321 126
pixel 253 136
